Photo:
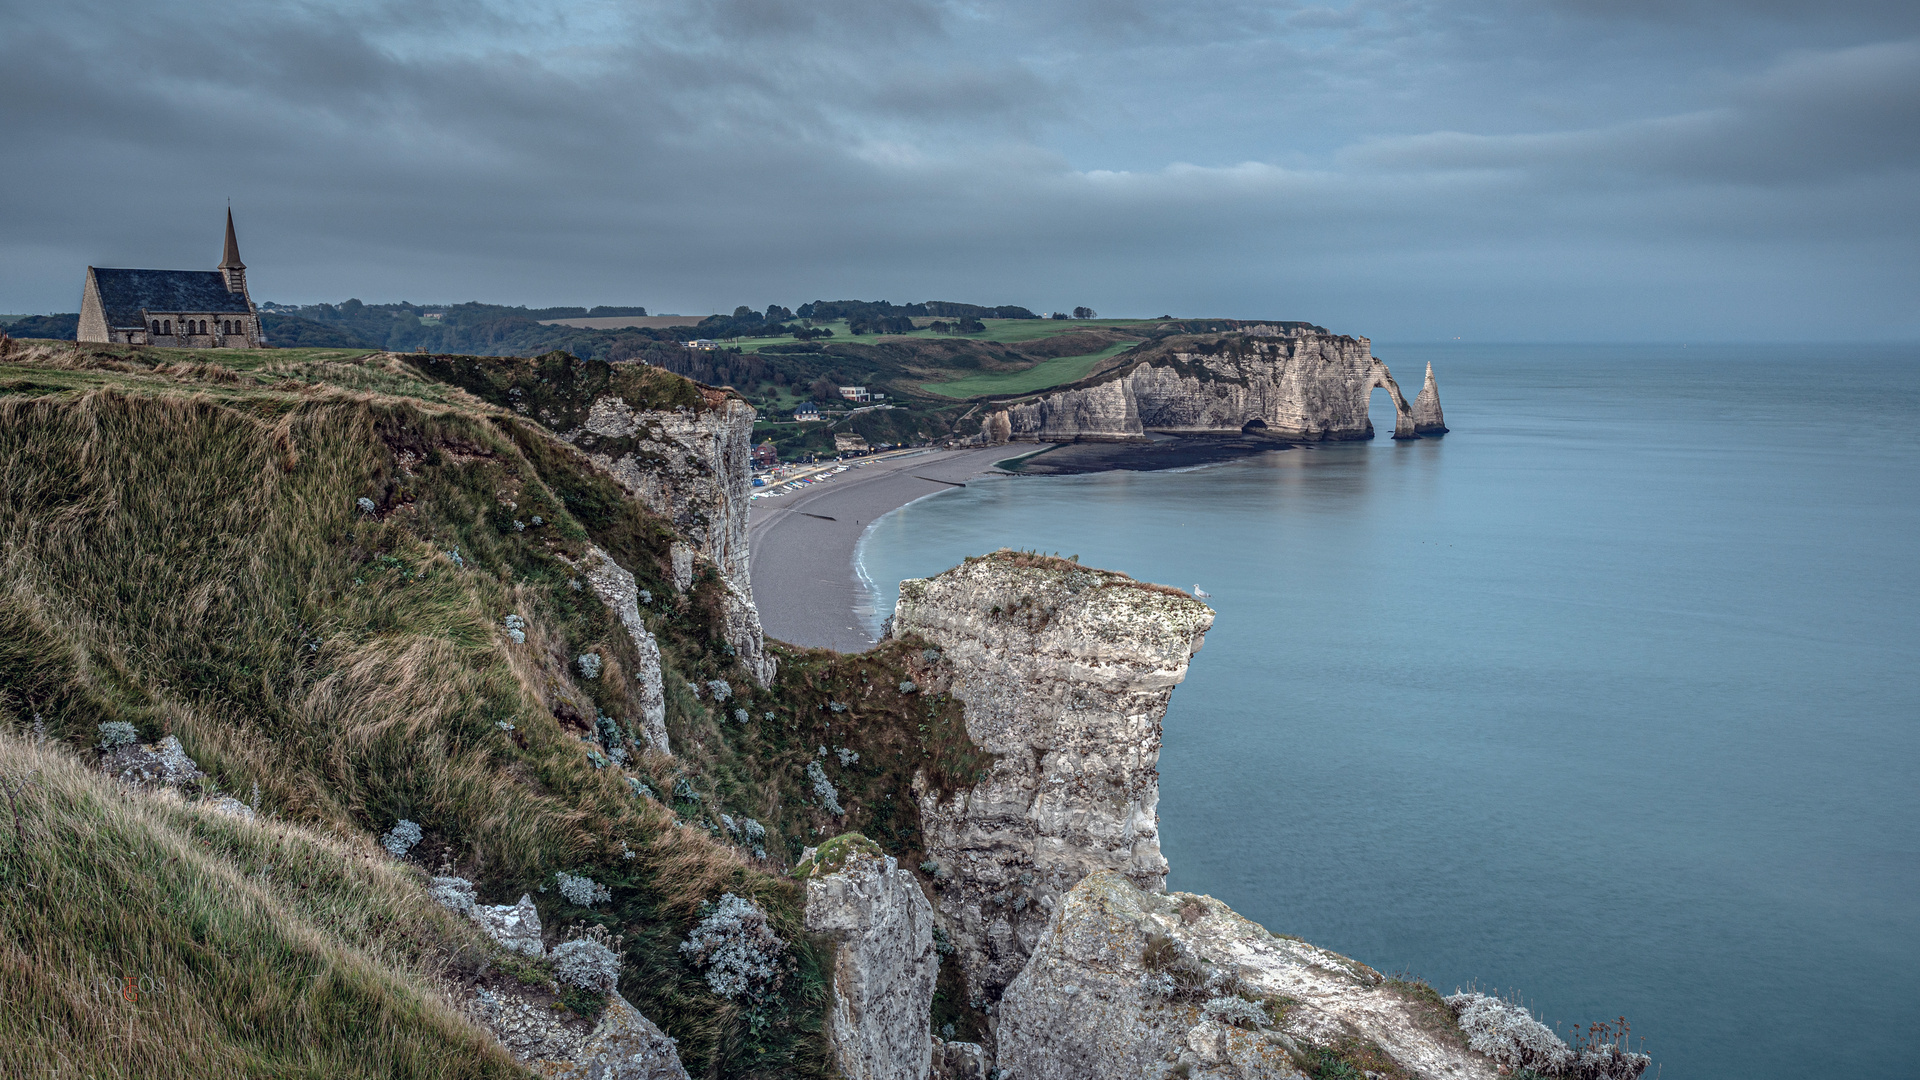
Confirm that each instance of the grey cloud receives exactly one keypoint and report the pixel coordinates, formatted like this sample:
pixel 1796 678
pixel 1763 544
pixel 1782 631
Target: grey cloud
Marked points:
pixel 1383 166
pixel 1814 115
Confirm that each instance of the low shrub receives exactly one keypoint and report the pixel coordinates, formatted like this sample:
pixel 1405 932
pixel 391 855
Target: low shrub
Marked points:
pixel 1508 1033
pixel 823 789
pixel 401 838
pixel 1235 1011
pixel 581 891
pixel 736 949
pixel 117 733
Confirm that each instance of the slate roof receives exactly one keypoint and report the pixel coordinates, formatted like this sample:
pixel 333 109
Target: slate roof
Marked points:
pixel 124 294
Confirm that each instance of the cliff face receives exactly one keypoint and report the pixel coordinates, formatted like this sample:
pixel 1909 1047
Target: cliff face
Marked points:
pixel 885 965
pixel 1048 873
pixel 1306 386
pixel 692 467
pixel 1120 983
pixel 1065 674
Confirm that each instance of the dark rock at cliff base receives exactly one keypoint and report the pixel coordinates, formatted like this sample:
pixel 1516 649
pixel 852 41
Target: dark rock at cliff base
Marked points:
pixel 1160 452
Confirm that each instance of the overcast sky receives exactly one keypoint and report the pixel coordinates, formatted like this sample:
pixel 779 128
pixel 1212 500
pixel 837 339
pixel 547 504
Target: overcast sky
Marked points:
pixel 1405 169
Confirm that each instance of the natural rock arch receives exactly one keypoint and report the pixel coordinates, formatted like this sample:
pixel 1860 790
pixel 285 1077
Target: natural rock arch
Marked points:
pixel 1403 424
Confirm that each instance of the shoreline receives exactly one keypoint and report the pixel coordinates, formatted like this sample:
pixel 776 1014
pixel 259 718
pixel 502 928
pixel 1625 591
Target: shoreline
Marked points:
pixel 801 545
pixel 804 545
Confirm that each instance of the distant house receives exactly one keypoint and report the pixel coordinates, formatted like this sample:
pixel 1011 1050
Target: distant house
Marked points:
pixel 807 412
pixel 847 442
pixel 765 456
pixel 703 344
pixel 182 309
pixel 855 393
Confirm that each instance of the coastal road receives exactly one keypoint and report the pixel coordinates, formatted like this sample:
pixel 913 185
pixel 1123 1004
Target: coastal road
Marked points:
pixel 802 544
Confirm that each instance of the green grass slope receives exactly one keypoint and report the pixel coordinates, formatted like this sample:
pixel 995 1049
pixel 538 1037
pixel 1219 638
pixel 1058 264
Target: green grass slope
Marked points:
pixel 1047 373
pixel 181 548
pixel 149 938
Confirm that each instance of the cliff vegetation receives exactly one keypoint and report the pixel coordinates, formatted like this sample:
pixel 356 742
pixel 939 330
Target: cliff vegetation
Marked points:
pixel 304 569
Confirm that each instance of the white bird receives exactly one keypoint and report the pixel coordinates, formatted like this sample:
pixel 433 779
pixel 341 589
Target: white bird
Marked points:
pixel 1200 592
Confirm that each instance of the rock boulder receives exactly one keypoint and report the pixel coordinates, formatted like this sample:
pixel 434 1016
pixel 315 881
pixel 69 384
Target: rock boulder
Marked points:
pixel 1131 984
pixel 884 967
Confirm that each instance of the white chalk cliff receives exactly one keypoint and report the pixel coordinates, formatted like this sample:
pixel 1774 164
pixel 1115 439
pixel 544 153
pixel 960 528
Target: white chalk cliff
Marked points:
pixel 694 468
pixel 1065 674
pixel 1303 385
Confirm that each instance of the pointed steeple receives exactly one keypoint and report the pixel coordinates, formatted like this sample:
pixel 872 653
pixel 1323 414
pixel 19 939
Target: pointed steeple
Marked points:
pixel 231 257
pixel 231 267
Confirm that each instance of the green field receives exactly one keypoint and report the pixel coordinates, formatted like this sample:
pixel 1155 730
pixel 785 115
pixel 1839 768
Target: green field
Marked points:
pixel 1004 331
pixel 1064 369
pixel 1012 330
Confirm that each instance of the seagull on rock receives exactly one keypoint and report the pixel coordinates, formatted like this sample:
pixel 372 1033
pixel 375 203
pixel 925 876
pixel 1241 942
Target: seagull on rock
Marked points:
pixel 1200 592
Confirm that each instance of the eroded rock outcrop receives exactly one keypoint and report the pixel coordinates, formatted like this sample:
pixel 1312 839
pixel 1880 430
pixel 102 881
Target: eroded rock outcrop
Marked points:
pixel 694 468
pixel 1304 385
pixel 884 967
pixel 616 588
pixel 514 926
pixel 164 764
pixel 1064 673
pixel 527 1019
pixel 620 1044
pixel 1126 983
pixel 1427 417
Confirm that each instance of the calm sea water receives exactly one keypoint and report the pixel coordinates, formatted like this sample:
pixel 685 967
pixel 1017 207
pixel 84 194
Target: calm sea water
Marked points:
pixel 1609 699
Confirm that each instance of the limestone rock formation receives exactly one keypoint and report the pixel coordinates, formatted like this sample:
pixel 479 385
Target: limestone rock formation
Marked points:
pixel 959 1061
pixel 516 926
pixel 621 1045
pixel 1303 385
pixel 1065 674
pixel 1427 417
pixel 883 970
pixel 694 468
pixel 680 558
pixel 996 429
pixel 1127 983
pixel 164 764
pixel 615 587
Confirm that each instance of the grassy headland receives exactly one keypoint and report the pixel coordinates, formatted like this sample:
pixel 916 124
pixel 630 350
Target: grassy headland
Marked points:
pixel 183 548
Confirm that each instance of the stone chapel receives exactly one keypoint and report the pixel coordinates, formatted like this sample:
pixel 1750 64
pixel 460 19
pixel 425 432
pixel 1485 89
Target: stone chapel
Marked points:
pixel 183 309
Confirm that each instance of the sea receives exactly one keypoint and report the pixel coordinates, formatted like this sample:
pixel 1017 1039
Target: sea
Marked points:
pixel 1607 701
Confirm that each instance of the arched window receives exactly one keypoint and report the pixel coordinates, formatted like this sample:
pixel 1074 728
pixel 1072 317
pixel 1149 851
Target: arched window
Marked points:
pixel 166 328
pixel 203 326
pixel 226 326
pixel 156 328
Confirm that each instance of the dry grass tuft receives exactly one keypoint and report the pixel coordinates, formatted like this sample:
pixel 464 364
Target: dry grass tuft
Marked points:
pixel 149 937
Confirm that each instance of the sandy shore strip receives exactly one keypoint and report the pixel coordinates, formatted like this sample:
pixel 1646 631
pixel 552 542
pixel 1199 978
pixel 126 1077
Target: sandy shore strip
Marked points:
pixel 802 544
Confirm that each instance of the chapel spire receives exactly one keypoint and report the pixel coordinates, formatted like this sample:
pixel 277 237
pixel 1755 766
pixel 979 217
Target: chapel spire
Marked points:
pixel 232 255
pixel 231 267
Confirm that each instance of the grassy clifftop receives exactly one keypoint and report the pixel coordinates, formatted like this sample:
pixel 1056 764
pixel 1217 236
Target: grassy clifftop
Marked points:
pixel 151 937
pixel 300 567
